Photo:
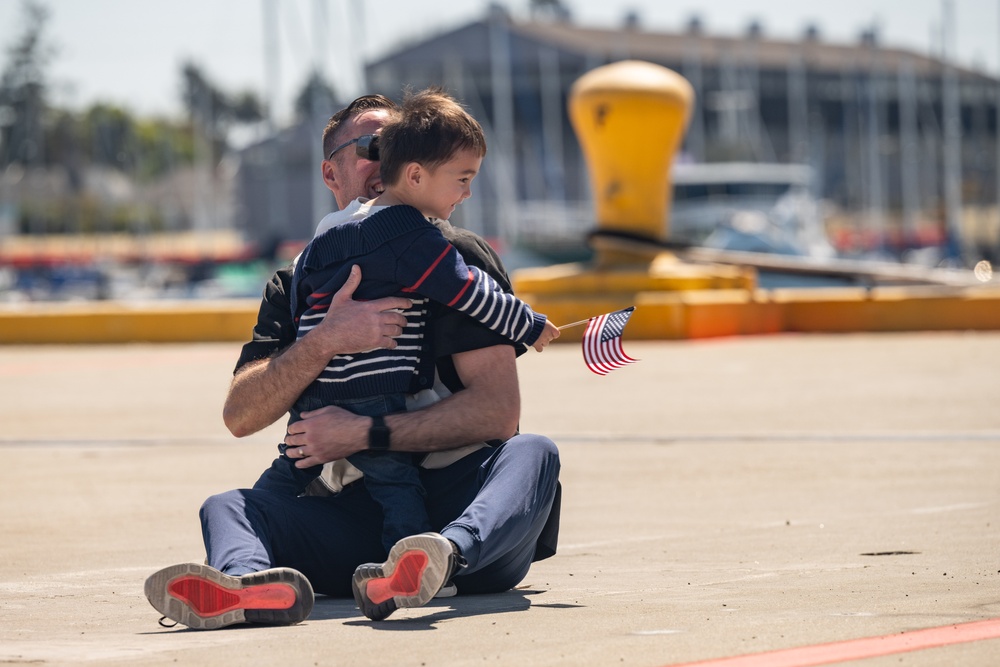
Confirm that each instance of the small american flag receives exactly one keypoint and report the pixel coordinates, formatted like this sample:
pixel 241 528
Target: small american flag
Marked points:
pixel 602 342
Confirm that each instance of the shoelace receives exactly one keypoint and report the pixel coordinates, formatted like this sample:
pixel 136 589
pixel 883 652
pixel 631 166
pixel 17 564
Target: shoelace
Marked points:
pixel 166 625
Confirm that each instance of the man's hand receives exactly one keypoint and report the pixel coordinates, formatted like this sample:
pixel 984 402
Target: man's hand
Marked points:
pixel 358 326
pixel 263 391
pixel 326 435
pixel 488 408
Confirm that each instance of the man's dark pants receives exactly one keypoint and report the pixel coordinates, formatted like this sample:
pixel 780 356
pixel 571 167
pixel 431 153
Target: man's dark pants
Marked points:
pixel 493 504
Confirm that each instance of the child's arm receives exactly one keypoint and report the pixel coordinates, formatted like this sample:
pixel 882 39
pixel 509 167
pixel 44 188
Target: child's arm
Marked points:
pixel 434 268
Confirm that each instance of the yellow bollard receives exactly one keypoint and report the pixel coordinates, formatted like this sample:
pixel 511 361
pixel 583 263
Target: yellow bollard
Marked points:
pixel 630 118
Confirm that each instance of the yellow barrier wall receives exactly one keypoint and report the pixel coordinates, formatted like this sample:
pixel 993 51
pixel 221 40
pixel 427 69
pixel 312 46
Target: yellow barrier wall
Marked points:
pixel 155 322
pixel 658 315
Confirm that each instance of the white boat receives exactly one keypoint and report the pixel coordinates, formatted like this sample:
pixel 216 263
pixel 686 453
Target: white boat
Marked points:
pixel 753 214
pixel 748 207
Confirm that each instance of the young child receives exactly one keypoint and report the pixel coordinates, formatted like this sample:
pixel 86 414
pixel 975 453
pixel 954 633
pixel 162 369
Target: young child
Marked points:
pixel 430 155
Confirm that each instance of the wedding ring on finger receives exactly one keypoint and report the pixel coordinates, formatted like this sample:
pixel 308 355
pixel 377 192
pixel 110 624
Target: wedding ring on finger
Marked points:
pixel 302 453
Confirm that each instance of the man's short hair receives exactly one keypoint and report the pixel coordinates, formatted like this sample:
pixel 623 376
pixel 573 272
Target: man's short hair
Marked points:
pixel 355 108
pixel 430 129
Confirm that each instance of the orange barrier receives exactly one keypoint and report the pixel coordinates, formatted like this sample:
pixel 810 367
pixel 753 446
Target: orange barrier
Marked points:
pixel 733 312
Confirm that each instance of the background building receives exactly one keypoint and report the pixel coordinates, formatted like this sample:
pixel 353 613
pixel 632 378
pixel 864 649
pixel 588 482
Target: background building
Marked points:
pixel 898 141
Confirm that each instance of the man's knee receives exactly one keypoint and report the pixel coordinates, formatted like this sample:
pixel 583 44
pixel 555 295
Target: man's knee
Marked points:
pixel 539 449
pixel 218 505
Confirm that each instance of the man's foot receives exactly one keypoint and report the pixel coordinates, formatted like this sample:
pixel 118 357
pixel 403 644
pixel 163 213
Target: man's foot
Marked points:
pixel 417 568
pixel 203 598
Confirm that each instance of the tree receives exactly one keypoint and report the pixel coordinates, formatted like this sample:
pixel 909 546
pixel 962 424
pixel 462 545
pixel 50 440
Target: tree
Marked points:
pixel 317 95
pixel 107 133
pixel 161 145
pixel 213 112
pixel 23 90
pixel 245 107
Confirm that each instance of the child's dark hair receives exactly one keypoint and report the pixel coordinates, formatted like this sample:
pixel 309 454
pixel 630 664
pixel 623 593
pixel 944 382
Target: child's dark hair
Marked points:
pixel 355 108
pixel 429 130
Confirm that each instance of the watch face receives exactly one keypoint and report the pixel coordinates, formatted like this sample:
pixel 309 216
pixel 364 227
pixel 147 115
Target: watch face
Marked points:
pixel 378 434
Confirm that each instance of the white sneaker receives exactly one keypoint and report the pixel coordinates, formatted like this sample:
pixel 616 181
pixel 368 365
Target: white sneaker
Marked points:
pixel 203 598
pixel 416 571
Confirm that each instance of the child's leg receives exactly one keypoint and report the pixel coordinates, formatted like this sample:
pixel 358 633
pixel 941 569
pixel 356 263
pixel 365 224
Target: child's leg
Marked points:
pixel 283 477
pixel 392 478
pixel 393 481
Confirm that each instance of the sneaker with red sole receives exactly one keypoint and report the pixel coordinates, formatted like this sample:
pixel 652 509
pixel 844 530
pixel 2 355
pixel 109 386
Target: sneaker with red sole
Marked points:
pixel 418 567
pixel 203 598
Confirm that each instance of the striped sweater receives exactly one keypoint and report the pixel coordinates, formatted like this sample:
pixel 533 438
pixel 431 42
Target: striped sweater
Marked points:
pixel 400 253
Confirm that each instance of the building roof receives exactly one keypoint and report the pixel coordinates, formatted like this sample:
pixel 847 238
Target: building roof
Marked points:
pixel 469 42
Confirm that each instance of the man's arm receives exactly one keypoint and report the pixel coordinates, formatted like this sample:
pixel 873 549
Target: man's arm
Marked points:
pixel 265 389
pixel 487 408
pixel 486 401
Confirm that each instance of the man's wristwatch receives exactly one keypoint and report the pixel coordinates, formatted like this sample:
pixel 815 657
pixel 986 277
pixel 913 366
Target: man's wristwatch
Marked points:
pixel 378 435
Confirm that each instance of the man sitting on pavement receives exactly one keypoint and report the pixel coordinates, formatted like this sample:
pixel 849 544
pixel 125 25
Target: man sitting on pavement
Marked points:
pixel 492 494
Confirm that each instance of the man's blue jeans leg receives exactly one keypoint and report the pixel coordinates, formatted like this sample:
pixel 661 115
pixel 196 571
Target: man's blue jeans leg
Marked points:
pixel 324 538
pixel 235 535
pixel 493 504
pixel 497 530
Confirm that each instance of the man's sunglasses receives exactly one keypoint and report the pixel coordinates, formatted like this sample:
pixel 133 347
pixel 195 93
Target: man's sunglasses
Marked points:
pixel 367 147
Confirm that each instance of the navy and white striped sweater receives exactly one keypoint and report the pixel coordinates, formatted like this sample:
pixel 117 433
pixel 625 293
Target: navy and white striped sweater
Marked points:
pixel 400 253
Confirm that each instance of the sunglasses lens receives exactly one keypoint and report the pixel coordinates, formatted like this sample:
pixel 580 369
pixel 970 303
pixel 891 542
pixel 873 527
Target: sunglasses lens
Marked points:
pixel 368 147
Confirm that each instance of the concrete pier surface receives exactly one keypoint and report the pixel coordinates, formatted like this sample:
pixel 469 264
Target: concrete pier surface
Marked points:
pixel 771 500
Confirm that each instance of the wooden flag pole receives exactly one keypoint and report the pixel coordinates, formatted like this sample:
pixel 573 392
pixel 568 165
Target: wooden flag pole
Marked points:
pixel 574 324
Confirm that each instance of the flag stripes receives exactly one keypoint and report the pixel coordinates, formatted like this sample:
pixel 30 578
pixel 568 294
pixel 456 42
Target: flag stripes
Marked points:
pixel 602 343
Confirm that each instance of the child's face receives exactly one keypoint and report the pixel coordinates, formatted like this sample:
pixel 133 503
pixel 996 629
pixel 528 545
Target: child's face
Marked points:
pixel 448 185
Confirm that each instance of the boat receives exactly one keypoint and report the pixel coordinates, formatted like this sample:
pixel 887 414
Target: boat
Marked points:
pixel 748 207
pixel 740 206
pixel 760 215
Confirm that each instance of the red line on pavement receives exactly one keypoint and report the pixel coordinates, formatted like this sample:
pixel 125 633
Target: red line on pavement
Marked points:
pixel 856 649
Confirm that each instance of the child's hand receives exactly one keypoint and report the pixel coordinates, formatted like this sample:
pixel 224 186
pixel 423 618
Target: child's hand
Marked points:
pixel 549 334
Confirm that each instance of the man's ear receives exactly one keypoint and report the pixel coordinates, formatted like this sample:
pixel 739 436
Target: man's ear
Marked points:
pixel 329 177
